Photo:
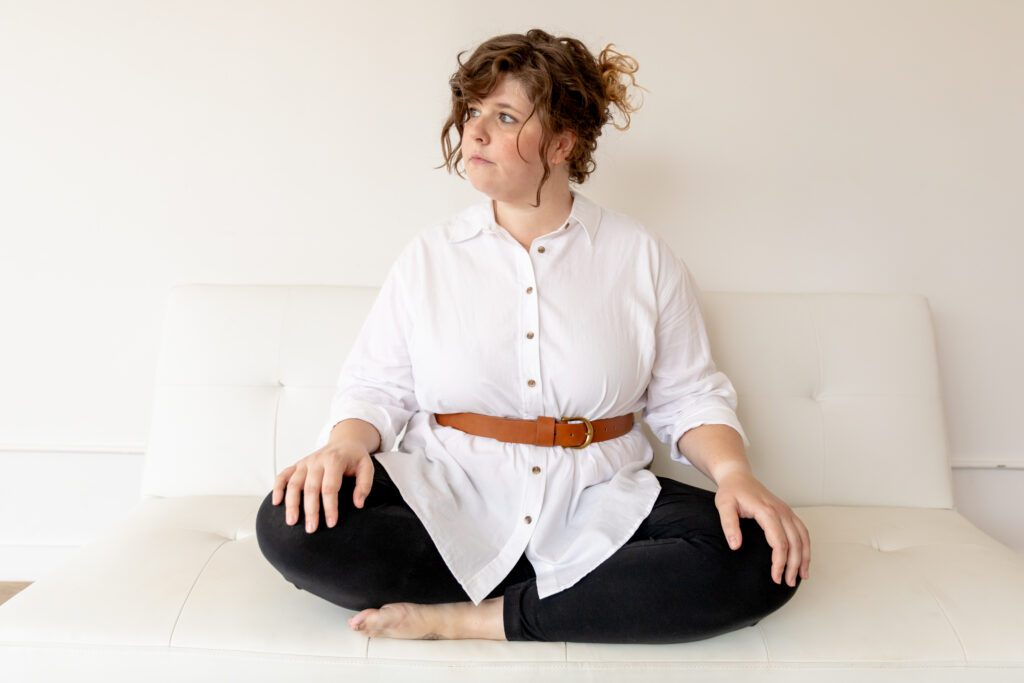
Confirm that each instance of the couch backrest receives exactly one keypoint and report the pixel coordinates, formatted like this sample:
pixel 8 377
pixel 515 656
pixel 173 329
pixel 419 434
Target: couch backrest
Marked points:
pixel 838 393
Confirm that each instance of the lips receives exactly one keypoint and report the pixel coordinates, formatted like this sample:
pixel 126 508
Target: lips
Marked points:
pixel 477 159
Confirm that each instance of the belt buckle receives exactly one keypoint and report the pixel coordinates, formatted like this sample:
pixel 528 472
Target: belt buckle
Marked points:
pixel 590 430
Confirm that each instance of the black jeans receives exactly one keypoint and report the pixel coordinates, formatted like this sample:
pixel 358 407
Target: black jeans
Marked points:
pixel 676 580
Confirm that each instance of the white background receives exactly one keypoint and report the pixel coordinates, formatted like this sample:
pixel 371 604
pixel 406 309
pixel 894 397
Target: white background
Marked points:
pixel 785 146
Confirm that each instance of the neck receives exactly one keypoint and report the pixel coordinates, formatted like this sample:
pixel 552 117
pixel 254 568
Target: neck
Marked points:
pixel 526 222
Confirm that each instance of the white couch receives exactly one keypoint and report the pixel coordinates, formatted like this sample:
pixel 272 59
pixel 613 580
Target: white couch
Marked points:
pixel 839 395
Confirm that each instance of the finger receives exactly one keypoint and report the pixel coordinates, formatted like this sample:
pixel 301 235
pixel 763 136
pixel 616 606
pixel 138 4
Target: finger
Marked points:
pixel 730 523
pixel 329 491
pixel 311 497
pixel 805 566
pixel 364 481
pixel 795 555
pixel 279 483
pixel 776 537
pixel 292 495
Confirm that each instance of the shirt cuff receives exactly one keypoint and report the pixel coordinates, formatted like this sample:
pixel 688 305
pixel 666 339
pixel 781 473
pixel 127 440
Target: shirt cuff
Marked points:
pixel 363 410
pixel 722 415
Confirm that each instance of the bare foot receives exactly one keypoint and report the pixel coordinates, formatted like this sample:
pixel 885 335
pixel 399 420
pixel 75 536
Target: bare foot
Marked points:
pixel 408 620
pixel 397 620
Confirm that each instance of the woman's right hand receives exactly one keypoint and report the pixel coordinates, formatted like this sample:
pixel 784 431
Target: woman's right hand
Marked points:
pixel 319 474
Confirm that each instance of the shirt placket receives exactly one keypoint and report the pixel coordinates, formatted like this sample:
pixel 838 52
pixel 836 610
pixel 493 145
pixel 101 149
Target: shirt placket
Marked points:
pixel 529 263
pixel 530 380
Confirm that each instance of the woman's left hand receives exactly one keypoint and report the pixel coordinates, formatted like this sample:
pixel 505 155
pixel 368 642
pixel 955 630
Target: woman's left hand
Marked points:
pixel 741 495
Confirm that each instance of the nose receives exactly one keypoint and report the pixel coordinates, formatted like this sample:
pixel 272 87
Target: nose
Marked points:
pixel 476 130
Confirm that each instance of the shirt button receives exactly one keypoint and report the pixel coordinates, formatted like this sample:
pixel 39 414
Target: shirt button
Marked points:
pixel 529 290
pixel 528 519
pixel 535 470
pixel 529 335
pixel 540 250
pixel 531 383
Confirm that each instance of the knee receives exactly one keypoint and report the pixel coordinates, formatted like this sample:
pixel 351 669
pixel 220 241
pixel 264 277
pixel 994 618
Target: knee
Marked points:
pixel 322 563
pixel 267 523
pixel 273 535
pixel 763 594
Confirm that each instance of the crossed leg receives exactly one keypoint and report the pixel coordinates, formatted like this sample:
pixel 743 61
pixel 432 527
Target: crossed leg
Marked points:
pixel 675 580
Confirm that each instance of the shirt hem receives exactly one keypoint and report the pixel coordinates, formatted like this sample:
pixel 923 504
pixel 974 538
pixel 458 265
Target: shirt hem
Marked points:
pixel 554 583
pixel 476 588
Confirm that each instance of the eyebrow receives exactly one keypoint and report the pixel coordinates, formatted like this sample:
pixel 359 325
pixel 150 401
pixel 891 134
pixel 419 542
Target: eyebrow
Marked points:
pixel 506 105
pixel 500 105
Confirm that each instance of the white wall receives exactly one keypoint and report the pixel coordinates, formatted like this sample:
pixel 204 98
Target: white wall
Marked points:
pixel 792 145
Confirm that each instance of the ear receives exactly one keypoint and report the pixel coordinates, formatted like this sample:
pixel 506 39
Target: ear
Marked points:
pixel 562 147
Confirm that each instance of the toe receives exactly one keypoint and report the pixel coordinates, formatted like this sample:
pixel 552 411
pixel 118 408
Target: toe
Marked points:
pixel 358 622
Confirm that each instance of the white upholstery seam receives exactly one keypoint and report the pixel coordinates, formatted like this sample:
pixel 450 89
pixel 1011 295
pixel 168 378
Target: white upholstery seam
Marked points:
pixel 533 665
pixel 764 642
pixel 192 588
pixel 963 650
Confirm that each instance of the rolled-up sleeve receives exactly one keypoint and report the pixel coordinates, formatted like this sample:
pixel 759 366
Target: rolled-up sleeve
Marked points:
pixel 376 381
pixel 686 389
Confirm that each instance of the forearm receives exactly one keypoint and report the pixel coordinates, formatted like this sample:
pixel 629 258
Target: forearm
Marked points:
pixel 715 450
pixel 360 431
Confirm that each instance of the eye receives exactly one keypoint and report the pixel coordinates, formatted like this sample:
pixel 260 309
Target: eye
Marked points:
pixel 472 112
pixel 505 118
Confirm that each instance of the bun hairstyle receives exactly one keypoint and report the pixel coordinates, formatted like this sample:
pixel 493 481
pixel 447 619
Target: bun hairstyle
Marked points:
pixel 569 88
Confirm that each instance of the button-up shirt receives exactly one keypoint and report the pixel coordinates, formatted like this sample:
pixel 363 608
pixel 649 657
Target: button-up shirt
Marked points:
pixel 598 318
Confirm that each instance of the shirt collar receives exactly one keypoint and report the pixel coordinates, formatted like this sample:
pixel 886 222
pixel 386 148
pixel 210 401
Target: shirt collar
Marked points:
pixel 480 218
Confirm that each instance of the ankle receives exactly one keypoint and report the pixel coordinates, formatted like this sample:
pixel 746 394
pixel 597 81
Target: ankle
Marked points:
pixel 485 620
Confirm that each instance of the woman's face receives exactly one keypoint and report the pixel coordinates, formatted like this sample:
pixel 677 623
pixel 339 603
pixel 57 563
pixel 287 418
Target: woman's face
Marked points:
pixel 501 145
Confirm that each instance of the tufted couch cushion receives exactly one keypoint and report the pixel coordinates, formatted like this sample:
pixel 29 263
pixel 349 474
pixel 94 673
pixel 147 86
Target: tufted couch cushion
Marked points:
pixel 838 393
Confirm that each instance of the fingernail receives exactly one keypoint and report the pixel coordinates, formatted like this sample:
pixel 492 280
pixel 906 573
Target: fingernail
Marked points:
pixel 290 519
pixel 732 542
pixel 331 521
pixel 309 527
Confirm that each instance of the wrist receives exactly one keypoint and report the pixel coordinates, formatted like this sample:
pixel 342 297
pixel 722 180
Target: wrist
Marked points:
pixel 355 432
pixel 732 468
pixel 716 450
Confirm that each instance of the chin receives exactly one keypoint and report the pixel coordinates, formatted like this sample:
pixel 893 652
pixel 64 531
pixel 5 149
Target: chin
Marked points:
pixel 485 189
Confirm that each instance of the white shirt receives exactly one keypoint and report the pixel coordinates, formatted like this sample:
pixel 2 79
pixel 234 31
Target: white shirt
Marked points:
pixel 599 318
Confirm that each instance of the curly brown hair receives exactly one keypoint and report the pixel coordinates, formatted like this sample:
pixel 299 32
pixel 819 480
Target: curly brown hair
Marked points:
pixel 569 88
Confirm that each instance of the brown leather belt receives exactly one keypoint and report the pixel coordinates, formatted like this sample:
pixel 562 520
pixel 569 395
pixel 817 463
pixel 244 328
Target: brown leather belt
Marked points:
pixel 569 432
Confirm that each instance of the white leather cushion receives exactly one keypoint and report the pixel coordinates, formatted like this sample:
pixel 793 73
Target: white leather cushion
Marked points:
pixel 244 382
pixel 838 393
pixel 887 585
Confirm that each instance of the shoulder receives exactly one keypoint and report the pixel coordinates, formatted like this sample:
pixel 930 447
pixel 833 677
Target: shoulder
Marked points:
pixel 433 243
pixel 455 228
pixel 628 235
pixel 618 226
pixel 649 253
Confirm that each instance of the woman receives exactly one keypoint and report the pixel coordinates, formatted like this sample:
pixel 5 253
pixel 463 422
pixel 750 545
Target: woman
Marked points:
pixel 499 518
